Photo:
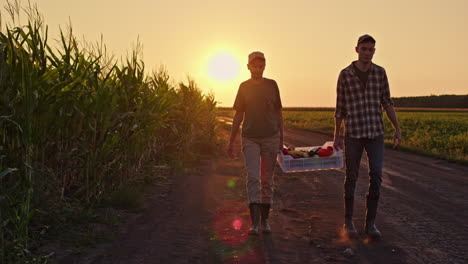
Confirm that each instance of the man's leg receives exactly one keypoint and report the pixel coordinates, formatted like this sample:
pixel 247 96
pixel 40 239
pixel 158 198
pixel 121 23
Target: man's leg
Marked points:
pixel 268 153
pixel 251 150
pixel 375 152
pixel 353 153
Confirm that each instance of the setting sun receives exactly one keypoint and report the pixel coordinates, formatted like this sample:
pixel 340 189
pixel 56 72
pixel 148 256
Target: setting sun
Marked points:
pixel 223 67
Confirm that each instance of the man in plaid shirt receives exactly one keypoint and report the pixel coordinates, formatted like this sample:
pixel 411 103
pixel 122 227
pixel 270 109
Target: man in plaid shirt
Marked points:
pixel 362 93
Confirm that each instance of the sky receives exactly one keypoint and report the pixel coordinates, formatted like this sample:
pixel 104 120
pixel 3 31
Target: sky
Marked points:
pixel 422 44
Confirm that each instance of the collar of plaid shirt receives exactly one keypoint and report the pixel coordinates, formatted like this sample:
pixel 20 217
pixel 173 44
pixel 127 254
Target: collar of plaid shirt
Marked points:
pixel 361 107
pixel 353 71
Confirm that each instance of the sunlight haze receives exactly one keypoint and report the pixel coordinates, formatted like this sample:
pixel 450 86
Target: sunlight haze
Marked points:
pixel 421 44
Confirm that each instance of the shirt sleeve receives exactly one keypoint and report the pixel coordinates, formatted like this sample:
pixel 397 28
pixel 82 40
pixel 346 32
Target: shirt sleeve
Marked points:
pixel 340 110
pixel 239 103
pixel 278 104
pixel 385 99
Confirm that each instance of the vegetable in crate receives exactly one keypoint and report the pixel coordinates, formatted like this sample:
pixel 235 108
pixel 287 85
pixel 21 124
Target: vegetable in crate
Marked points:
pixel 313 151
pixel 296 152
pixel 325 152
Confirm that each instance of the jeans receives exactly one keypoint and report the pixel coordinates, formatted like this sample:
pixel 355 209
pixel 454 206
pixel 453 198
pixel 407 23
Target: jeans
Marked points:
pixel 353 151
pixel 260 159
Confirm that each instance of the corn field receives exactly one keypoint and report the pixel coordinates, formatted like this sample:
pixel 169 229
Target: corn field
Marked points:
pixel 77 123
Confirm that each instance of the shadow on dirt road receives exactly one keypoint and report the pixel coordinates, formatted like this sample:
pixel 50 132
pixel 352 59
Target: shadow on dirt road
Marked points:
pixel 201 216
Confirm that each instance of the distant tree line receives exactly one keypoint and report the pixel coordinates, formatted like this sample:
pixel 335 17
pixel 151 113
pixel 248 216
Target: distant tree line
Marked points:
pixel 433 101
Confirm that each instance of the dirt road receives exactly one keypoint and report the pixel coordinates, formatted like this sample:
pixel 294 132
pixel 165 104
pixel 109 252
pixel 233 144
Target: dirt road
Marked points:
pixel 201 216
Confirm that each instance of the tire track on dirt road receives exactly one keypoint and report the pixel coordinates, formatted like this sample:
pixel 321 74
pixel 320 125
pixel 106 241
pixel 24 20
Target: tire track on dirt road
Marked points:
pixel 423 209
pixel 203 216
pixel 424 203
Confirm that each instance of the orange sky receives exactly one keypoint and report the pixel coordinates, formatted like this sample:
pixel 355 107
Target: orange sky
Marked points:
pixel 421 44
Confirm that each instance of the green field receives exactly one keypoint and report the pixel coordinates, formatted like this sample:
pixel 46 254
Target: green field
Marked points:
pixel 441 134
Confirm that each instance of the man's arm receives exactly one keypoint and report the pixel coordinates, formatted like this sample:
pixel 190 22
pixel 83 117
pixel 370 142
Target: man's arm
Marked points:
pixel 390 110
pixel 238 118
pixel 340 112
pixel 338 139
pixel 387 104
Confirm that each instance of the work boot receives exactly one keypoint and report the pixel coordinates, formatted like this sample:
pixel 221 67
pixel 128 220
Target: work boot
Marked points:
pixel 265 213
pixel 370 228
pixel 348 227
pixel 255 217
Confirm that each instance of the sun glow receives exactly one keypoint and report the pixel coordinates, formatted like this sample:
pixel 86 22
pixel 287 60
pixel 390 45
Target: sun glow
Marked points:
pixel 223 66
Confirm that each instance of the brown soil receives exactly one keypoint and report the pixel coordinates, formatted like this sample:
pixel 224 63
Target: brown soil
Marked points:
pixel 191 219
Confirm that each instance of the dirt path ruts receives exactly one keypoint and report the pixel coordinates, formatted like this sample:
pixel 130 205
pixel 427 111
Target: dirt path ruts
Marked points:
pixel 421 215
pixel 423 209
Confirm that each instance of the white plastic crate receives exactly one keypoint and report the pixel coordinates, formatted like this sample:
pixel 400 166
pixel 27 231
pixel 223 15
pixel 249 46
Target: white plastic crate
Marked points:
pixel 289 164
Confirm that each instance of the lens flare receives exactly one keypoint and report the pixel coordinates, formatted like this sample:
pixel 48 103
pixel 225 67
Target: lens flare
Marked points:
pixel 230 237
pixel 230 223
pixel 231 183
pixel 237 224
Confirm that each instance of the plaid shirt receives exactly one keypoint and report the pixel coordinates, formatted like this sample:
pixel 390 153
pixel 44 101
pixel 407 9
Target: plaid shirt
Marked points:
pixel 361 107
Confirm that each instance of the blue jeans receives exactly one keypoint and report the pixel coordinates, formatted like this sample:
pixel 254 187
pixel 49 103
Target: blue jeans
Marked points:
pixel 353 151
